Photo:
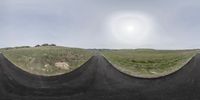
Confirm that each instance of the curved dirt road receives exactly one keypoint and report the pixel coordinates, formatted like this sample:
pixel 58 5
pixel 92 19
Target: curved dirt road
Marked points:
pixel 97 79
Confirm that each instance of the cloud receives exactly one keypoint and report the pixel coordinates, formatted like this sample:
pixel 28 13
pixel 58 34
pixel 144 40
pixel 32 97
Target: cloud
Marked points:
pixel 81 23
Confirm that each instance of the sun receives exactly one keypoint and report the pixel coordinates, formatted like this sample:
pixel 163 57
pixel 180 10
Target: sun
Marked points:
pixel 130 27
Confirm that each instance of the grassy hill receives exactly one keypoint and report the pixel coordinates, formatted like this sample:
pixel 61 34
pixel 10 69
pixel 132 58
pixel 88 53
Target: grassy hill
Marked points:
pixel 148 63
pixel 47 60
pixel 53 60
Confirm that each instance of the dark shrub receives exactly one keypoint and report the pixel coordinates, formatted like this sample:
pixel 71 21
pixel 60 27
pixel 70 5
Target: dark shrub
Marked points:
pixel 45 44
pixel 52 45
pixel 133 60
pixel 37 45
pixel 22 47
pixel 8 48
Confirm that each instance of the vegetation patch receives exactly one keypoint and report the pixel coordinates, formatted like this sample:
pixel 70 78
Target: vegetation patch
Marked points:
pixel 47 59
pixel 148 63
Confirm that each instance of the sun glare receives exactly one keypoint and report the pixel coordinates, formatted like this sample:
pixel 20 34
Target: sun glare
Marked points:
pixel 130 27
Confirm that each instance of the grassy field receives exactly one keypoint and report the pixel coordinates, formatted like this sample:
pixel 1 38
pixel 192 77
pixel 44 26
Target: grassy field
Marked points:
pixel 148 63
pixel 55 60
pixel 47 60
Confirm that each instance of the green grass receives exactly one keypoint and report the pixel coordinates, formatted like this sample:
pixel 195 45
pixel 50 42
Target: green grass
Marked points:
pixel 148 63
pixel 34 59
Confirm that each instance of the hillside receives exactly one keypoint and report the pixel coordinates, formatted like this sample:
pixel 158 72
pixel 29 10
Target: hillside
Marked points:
pixel 47 60
pixel 148 63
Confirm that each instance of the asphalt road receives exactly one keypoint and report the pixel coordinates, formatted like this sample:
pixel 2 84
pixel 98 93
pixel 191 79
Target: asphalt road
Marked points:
pixel 97 79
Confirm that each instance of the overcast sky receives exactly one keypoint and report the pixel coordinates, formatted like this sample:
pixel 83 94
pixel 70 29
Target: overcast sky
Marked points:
pixel 83 23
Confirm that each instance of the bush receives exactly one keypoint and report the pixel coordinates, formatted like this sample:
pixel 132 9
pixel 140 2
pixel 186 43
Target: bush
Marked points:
pixel 133 60
pixel 52 45
pixel 37 45
pixel 22 47
pixel 45 44
pixel 8 48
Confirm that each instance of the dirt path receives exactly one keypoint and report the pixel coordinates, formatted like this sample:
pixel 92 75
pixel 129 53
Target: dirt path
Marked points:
pixel 97 79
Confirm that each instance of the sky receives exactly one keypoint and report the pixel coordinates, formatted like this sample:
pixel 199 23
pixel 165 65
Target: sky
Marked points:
pixel 175 24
